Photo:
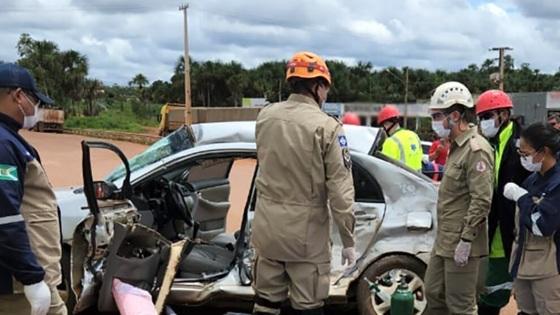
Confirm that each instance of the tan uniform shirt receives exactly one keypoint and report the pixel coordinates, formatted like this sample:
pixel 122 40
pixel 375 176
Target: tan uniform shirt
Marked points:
pixel 465 195
pixel 304 166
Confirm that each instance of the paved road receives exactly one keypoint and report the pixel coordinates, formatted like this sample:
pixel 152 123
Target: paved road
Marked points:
pixel 61 156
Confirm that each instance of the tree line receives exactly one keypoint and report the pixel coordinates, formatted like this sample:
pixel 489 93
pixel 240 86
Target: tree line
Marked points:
pixel 64 75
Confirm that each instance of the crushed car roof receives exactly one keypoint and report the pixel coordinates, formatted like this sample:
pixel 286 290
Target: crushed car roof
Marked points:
pixel 360 138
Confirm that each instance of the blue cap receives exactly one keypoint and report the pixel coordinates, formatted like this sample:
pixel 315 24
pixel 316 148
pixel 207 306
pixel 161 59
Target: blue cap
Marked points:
pixel 15 76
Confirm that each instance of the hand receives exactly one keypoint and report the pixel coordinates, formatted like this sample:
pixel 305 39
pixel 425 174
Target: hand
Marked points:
pixel 513 192
pixel 39 296
pixel 349 257
pixel 462 252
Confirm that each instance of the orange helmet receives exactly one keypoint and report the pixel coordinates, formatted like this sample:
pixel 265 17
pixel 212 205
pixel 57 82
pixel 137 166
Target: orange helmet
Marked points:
pixel 492 100
pixel 351 119
pixel 307 65
pixel 386 113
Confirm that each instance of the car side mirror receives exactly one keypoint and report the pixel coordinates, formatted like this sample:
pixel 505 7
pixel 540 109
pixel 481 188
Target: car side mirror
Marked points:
pixel 104 190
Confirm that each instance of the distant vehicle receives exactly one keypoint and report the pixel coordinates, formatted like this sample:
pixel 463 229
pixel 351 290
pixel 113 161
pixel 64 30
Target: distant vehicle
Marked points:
pixel 180 187
pixel 171 118
pixel 50 119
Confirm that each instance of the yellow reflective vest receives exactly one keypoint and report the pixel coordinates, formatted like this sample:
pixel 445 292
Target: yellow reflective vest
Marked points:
pixel 404 145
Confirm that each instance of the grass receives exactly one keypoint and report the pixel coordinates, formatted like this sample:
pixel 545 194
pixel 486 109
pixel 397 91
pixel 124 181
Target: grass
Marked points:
pixel 111 119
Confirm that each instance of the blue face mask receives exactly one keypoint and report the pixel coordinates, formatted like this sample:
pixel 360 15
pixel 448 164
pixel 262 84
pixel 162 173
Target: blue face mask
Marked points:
pixel 528 164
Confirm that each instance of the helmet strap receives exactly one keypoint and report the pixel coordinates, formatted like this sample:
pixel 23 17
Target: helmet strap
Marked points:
pixel 388 130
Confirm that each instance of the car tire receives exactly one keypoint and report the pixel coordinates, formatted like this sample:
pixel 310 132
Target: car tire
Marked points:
pixel 394 264
pixel 66 270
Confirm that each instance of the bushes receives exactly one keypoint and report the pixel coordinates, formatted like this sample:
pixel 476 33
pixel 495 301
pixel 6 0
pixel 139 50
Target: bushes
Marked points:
pixel 114 118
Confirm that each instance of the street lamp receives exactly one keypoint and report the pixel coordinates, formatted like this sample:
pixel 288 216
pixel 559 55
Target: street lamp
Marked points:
pixel 405 83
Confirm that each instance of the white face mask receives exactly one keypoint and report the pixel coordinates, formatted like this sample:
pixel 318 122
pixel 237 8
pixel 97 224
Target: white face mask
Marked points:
pixel 30 121
pixel 528 164
pixel 440 130
pixel 488 128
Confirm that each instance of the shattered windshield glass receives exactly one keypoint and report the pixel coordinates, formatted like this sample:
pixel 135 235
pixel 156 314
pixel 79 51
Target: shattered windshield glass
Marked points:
pixel 177 141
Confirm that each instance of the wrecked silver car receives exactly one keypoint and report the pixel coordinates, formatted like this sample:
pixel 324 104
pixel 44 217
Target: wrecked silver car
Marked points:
pixel 198 186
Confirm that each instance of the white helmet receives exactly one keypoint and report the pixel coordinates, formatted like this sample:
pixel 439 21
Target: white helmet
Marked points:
pixel 449 94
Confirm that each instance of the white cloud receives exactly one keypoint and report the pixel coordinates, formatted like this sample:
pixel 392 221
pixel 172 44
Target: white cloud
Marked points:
pixel 141 36
pixel 371 30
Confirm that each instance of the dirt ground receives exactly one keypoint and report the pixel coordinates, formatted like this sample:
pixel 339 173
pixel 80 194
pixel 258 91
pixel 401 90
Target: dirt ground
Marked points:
pixel 62 158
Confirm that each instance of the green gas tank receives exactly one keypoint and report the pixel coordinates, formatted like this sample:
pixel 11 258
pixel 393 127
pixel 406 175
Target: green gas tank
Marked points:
pixel 402 300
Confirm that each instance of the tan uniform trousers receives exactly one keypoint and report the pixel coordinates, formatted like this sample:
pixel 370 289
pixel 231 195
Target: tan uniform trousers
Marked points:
pixel 451 289
pixel 17 304
pixel 305 284
pixel 538 297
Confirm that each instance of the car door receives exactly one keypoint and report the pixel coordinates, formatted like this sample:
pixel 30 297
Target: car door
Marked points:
pixel 369 210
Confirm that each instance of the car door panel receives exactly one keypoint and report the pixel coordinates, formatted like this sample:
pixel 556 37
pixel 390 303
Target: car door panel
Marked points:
pixel 212 207
pixel 214 190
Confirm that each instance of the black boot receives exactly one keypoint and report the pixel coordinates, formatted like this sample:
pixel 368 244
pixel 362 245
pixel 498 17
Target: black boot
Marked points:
pixel 317 311
pixel 488 310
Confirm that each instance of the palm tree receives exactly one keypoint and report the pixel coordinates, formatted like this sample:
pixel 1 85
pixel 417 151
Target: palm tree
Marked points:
pixel 139 81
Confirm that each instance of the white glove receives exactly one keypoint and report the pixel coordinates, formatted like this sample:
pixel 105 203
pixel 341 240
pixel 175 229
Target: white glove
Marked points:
pixel 462 252
pixel 39 296
pixel 349 256
pixel 513 192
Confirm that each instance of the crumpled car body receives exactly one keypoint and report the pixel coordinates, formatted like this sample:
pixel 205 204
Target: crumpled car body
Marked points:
pixel 395 217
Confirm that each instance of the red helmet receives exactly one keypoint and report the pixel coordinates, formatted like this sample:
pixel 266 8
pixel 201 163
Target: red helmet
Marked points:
pixel 351 119
pixel 386 113
pixel 492 100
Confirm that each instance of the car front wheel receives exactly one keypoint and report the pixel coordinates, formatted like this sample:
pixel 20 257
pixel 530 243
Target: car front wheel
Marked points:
pixel 389 270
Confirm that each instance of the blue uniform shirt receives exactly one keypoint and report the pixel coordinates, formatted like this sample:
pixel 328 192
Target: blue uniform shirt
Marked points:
pixel 16 257
pixel 542 218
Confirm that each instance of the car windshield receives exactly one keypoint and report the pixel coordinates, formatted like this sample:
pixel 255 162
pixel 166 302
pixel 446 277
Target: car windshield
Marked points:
pixel 177 141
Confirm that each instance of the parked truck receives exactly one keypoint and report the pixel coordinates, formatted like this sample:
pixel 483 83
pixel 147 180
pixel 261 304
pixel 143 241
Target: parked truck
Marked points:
pixel 172 115
pixel 50 119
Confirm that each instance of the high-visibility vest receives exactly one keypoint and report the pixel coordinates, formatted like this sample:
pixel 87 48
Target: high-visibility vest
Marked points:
pixel 404 145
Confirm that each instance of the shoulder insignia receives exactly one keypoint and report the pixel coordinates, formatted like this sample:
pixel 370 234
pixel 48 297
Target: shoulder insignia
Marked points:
pixel 8 173
pixel 481 166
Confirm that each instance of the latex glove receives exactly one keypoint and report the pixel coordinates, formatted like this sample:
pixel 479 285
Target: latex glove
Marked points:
pixel 349 256
pixel 513 192
pixel 39 296
pixel 462 252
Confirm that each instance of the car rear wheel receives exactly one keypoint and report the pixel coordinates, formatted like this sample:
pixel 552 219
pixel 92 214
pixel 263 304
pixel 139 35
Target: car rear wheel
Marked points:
pixel 391 267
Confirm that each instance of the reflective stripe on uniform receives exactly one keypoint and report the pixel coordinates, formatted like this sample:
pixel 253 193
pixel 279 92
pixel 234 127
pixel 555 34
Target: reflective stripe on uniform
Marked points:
pixel 401 149
pixel 535 228
pixel 503 286
pixel 11 219
pixel 504 137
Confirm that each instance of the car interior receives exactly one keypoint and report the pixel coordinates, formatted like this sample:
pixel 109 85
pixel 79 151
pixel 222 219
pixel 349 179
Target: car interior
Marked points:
pixel 194 200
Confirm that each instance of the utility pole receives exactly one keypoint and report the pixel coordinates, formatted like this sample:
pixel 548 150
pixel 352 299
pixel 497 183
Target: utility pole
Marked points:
pixel 188 112
pixel 405 83
pixel 406 98
pixel 501 51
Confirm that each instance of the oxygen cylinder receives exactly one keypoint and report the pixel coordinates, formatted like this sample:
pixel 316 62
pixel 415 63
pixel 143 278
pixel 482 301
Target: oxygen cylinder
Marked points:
pixel 402 300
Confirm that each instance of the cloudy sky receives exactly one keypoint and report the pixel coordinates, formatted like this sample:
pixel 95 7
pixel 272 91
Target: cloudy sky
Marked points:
pixel 125 37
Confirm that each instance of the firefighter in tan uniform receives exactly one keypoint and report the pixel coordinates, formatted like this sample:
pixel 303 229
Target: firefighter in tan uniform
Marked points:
pixel 30 246
pixel 463 205
pixel 304 171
